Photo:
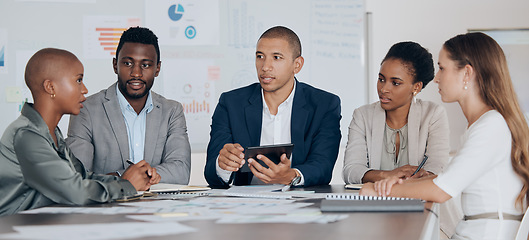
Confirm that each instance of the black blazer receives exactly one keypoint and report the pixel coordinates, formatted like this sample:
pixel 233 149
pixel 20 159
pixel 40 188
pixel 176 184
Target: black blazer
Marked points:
pixel 315 131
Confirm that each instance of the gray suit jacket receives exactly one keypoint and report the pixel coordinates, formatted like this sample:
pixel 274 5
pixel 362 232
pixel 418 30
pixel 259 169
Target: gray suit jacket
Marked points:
pixel 98 137
pixel 36 172
pixel 428 134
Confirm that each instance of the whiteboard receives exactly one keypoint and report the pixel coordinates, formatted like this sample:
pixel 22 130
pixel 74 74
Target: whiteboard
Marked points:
pixel 210 49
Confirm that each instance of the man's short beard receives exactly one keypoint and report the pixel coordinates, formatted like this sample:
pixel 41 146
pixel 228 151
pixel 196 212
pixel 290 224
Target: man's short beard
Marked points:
pixel 123 89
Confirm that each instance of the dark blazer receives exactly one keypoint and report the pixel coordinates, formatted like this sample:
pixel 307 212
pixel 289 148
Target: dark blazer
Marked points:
pixel 315 131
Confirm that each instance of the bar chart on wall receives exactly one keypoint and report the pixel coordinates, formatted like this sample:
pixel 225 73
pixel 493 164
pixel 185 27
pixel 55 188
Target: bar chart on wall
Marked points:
pixel 209 48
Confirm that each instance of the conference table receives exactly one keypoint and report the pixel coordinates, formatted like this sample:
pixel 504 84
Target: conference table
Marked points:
pixel 358 225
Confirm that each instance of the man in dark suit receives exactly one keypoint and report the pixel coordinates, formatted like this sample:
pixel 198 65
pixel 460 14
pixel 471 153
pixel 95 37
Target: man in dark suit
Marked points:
pixel 277 110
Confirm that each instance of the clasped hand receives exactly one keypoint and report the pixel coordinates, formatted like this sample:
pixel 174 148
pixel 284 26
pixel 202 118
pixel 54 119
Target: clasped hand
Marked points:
pixel 141 175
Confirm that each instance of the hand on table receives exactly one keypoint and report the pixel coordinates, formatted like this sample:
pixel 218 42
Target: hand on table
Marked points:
pixel 368 189
pixel 139 175
pixel 383 187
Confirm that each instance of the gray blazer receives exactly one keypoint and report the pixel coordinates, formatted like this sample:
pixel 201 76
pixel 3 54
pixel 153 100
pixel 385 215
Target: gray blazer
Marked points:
pixel 98 137
pixel 36 172
pixel 428 134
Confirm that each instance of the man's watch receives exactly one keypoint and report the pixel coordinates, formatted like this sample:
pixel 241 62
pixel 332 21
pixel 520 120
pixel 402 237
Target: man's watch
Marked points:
pixel 295 181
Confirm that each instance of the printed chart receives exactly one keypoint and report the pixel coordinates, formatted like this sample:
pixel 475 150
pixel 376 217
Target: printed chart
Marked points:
pixel 191 82
pixel 3 50
pixel 101 34
pixel 184 22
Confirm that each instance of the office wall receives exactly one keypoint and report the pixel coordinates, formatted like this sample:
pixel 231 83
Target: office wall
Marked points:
pixel 197 65
pixel 430 23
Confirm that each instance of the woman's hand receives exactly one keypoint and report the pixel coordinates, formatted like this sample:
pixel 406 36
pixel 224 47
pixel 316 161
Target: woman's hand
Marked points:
pixel 383 187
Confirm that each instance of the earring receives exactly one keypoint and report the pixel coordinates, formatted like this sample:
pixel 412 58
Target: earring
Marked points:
pixel 465 87
pixel 414 98
pixel 52 95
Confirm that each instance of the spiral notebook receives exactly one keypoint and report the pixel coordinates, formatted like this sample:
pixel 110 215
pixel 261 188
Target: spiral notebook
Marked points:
pixel 356 203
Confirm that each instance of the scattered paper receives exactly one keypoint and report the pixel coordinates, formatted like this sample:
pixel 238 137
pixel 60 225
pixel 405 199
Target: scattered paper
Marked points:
pixel 189 215
pixel 105 210
pixel 224 209
pixel 236 201
pixel 258 191
pixel 159 204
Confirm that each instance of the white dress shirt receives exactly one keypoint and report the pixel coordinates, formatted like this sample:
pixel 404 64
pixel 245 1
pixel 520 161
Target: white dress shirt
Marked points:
pixel 275 129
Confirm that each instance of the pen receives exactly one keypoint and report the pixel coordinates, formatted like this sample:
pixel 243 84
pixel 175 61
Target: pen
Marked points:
pixel 420 165
pixel 130 162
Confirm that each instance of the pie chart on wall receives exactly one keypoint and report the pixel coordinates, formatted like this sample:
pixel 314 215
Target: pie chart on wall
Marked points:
pixel 176 11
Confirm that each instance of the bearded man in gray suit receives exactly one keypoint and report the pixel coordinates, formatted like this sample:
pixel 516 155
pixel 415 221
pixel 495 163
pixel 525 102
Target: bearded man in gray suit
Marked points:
pixel 127 122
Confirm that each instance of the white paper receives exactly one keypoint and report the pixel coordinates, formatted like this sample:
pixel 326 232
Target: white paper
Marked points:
pixel 189 214
pixel 258 191
pixel 308 195
pixel 237 201
pixel 249 189
pixel 160 204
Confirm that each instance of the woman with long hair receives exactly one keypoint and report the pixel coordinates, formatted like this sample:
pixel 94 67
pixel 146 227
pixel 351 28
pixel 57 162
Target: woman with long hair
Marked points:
pixel 491 169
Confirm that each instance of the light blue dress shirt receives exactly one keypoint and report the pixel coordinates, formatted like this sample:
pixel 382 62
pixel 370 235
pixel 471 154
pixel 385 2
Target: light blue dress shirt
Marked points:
pixel 135 125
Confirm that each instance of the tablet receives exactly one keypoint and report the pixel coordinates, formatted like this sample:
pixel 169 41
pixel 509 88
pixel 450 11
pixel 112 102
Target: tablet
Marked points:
pixel 272 152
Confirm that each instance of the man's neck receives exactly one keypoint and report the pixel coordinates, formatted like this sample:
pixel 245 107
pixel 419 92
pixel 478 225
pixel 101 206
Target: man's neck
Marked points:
pixel 274 99
pixel 137 103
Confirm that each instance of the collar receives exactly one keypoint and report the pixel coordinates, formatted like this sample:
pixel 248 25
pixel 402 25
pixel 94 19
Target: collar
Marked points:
pixel 287 101
pixel 33 116
pixel 125 105
pixel 30 113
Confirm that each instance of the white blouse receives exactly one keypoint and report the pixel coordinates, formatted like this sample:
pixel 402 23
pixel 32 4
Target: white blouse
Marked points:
pixel 482 173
